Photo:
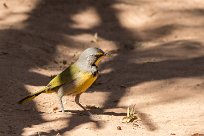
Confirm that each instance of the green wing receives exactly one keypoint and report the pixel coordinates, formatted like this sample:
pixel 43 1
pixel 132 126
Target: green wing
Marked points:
pixel 67 76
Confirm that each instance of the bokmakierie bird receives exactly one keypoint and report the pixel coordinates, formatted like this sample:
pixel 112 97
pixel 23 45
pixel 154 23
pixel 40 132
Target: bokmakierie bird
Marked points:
pixel 75 79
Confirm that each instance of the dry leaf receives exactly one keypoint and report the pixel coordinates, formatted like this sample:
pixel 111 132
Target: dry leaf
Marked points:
pixel 131 115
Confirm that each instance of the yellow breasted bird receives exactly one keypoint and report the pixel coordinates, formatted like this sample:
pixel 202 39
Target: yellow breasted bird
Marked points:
pixel 75 79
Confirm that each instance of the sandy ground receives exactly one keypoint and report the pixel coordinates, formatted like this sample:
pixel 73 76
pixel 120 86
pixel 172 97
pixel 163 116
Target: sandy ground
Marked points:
pixel 157 65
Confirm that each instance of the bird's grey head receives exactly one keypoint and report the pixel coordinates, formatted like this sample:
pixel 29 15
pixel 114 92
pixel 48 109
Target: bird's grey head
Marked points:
pixel 91 56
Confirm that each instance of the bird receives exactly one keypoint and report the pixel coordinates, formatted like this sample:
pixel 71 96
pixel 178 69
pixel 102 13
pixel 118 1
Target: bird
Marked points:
pixel 75 79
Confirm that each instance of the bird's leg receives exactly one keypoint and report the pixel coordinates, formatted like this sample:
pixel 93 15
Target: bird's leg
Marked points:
pixel 78 103
pixel 61 104
pixel 60 95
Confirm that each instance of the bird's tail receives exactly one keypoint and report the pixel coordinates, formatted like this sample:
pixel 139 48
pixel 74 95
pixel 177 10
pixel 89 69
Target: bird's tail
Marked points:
pixel 32 96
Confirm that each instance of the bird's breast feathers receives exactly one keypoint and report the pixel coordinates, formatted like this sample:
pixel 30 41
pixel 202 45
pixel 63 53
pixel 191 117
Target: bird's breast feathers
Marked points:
pixel 82 82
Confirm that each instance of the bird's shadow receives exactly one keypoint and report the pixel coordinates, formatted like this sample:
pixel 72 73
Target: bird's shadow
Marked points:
pixel 94 112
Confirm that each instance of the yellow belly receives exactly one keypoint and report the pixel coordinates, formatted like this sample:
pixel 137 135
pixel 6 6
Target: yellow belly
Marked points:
pixel 81 84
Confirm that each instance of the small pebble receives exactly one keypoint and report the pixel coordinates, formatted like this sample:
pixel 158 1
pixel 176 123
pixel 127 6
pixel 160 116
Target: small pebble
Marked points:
pixel 64 62
pixel 54 109
pixel 119 128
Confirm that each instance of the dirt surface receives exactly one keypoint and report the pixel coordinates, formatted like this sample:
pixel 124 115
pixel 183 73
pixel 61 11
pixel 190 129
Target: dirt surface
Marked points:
pixel 157 65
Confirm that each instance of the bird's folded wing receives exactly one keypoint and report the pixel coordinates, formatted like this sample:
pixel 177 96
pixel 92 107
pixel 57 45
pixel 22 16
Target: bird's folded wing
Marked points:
pixel 66 77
